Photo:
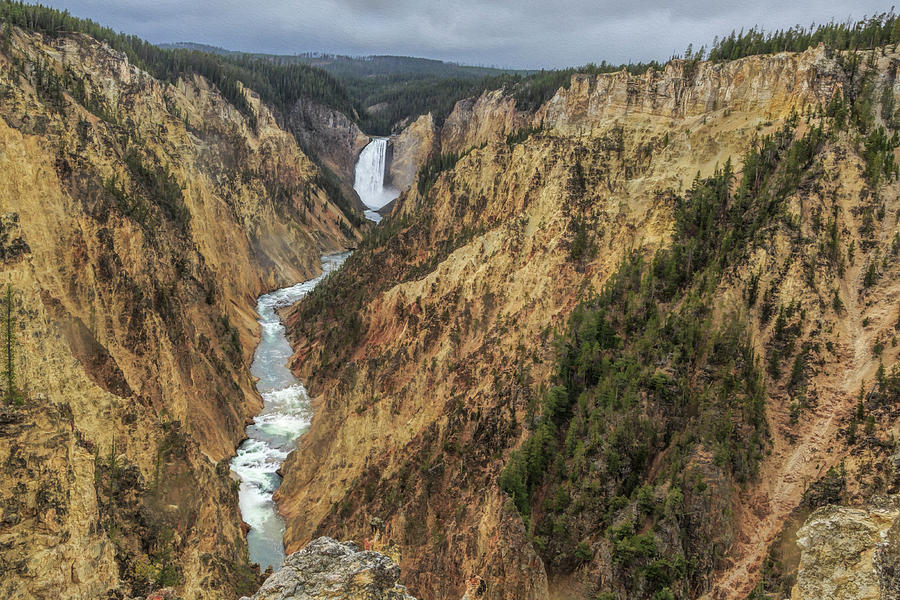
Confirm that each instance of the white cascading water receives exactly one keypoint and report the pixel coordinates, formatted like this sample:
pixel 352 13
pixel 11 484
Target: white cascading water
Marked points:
pixel 274 432
pixel 369 179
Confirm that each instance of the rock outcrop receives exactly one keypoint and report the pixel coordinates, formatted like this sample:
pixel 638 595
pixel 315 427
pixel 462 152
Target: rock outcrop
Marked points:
pixel 850 553
pixel 326 569
pixel 472 122
pixel 330 136
pixel 477 121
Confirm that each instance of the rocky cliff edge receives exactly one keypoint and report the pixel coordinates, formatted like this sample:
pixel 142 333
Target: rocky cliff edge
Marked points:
pixel 326 568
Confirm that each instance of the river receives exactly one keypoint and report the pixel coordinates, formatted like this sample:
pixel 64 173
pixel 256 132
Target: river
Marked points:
pixel 286 412
pixel 275 430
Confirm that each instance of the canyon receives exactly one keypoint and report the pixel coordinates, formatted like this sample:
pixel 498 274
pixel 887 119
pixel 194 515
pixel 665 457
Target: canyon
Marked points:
pixel 275 429
pixel 672 295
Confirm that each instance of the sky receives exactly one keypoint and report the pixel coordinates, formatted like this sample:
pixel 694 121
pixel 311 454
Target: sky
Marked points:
pixel 507 33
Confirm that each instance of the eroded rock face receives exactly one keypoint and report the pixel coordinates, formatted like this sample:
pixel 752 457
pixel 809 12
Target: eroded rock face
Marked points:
pixel 764 85
pixel 44 467
pixel 476 121
pixel 411 148
pixel 850 553
pixel 768 86
pixel 326 568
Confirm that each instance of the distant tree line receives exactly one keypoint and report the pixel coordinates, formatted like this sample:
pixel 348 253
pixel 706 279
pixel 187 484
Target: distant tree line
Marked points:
pixel 279 85
pixel 392 100
pixel 868 32
pixel 386 65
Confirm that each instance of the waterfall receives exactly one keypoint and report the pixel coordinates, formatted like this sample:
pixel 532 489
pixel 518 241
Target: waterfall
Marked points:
pixel 369 180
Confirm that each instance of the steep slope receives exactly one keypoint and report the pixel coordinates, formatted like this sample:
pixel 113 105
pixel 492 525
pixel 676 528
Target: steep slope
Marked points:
pixel 140 220
pixel 431 354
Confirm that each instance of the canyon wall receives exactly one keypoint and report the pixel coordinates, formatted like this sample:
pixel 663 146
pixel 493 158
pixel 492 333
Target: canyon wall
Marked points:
pixel 410 149
pixel 761 85
pixel 429 354
pixel 332 137
pixel 140 220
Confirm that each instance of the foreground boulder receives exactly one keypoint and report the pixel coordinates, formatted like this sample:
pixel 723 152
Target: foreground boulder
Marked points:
pixel 326 568
pixel 850 553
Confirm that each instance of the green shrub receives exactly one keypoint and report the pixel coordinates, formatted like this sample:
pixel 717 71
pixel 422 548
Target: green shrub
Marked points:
pixel 645 499
pixel 635 549
pixel 583 553
pixel 871 276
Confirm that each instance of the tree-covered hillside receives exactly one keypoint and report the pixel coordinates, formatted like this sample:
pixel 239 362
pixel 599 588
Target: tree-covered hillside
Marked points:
pixel 391 89
pixel 279 85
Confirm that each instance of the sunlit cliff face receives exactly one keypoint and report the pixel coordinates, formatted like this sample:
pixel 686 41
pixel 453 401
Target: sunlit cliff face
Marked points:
pixel 429 357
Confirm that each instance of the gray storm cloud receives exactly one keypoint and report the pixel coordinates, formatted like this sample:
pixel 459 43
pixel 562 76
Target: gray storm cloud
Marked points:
pixel 516 33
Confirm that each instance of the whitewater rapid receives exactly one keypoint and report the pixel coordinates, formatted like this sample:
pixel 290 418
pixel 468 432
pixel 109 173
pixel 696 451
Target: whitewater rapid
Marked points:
pixel 369 178
pixel 275 430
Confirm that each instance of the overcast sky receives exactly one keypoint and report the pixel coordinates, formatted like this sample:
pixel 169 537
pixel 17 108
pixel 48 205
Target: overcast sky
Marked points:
pixel 511 33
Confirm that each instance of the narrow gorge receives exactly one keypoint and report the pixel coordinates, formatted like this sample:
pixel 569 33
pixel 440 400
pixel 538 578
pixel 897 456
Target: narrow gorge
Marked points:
pixel 275 429
pixel 286 411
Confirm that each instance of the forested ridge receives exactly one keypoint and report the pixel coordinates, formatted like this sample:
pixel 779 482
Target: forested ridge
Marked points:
pixel 278 85
pixel 868 32
pixel 382 93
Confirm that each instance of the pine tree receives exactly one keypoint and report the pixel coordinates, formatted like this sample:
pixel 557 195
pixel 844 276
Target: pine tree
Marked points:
pixel 11 392
pixel 112 488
